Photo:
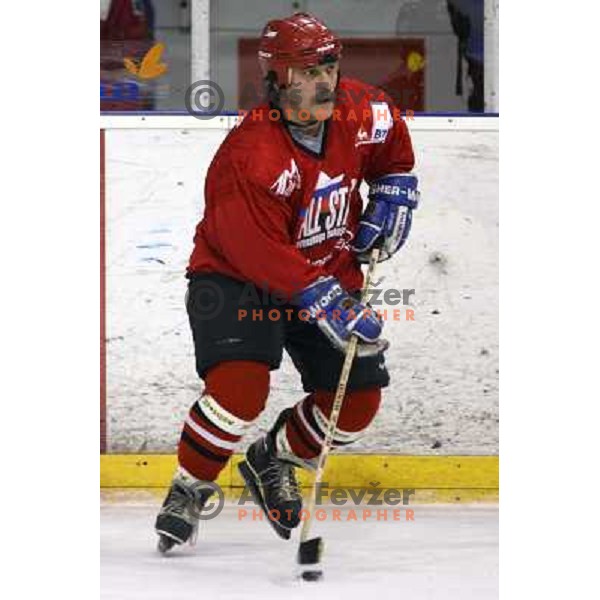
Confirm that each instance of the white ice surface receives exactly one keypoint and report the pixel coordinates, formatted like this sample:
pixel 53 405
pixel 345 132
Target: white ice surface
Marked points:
pixel 448 552
pixel 444 366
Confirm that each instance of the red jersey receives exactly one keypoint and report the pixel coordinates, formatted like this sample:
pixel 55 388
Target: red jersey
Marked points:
pixel 279 215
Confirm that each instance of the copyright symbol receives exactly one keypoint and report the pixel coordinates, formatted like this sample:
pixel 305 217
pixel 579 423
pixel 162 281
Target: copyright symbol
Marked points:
pixel 214 504
pixel 204 99
pixel 205 301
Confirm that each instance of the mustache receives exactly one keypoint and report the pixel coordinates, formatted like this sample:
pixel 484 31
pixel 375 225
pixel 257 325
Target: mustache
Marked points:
pixel 324 96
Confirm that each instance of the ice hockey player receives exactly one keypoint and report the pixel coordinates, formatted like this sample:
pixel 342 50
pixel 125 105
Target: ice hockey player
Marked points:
pixel 284 229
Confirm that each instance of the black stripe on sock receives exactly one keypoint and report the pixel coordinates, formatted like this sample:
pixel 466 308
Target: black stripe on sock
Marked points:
pixel 188 439
pixel 297 427
pixel 312 421
pixel 310 417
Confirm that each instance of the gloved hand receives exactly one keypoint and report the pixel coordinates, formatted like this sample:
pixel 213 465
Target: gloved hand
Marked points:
pixel 388 216
pixel 339 315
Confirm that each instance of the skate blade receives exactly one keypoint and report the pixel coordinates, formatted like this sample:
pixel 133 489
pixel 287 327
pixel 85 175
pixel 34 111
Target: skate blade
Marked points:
pixel 165 543
pixel 248 475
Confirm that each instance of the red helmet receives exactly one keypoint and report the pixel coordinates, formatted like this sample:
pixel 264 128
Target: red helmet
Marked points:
pixel 300 41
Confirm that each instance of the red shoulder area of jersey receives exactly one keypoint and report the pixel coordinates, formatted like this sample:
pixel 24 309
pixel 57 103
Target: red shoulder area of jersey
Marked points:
pixel 364 110
pixel 255 145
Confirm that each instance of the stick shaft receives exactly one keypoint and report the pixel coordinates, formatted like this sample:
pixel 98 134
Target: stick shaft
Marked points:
pixel 337 404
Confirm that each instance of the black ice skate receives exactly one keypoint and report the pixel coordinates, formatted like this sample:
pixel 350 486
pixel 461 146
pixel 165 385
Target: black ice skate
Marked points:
pixel 272 482
pixel 177 521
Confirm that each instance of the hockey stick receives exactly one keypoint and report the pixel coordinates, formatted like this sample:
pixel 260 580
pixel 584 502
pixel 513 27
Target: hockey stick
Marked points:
pixel 309 551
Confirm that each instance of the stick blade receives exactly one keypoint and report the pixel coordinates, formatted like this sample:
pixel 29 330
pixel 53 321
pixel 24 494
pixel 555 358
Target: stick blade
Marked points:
pixel 310 551
pixel 309 556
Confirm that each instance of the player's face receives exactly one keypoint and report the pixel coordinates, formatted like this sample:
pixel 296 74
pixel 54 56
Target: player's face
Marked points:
pixel 313 90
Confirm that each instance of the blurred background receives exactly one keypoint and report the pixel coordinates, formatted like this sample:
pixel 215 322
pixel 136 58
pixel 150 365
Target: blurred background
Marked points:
pixel 429 55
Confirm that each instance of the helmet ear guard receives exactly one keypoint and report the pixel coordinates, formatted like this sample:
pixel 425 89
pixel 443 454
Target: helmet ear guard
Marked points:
pixel 272 88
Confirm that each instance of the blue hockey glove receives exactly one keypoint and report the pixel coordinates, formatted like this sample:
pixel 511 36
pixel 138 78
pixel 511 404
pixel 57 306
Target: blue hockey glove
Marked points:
pixel 339 315
pixel 388 215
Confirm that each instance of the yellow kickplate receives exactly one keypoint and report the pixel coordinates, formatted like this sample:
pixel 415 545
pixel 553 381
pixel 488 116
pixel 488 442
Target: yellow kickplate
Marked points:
pixel 446 478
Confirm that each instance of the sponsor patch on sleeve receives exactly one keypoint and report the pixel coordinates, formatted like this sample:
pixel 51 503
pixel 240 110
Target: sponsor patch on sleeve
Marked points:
pixel 382 121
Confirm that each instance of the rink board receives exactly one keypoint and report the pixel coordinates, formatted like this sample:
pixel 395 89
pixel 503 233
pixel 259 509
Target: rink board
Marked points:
pixel 435 478
pixel 443 363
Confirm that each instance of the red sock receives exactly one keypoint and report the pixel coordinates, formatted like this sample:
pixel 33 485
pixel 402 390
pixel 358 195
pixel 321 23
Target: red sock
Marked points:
pixel 306 428
pixel 234 396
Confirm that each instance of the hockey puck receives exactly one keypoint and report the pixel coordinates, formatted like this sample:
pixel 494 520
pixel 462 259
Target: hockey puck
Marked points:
pixel 312 575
